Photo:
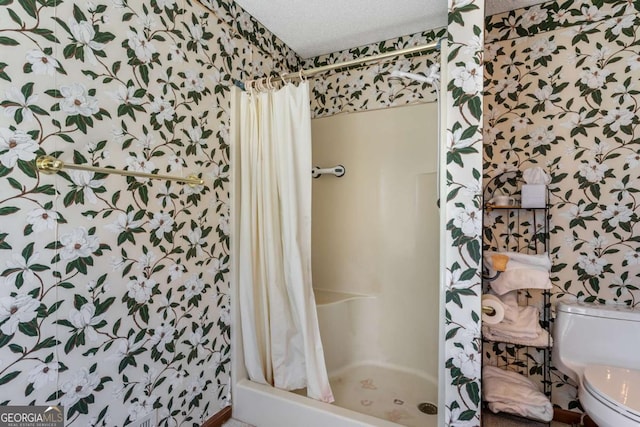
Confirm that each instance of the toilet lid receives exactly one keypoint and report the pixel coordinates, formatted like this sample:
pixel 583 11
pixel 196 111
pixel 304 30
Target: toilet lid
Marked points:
pixel 620 387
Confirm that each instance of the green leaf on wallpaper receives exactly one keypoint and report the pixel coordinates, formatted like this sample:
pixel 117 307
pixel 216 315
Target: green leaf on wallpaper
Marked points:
pixel 3 244
pixel 77 14
pixel 104 37
pixel 452 333
pixel 30 7
pixel 16 348
pixel 3 74
pixel 8 41
pixel 468 274
pixel 14 16
pixel 47 34
pixel 474 250
pixel 475 107
pixel 9 377
pixel 15 184
pixel 144 313
pixel 144 73
pixel 467 415
pixel 473 390
pixel 143 191
pixel 28 168
pixel 8 210
pixel 29 328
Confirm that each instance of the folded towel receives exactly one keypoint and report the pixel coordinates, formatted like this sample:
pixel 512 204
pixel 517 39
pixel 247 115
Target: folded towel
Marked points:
pixel 510 280
pixel 523 271
pixel 518 260
pixel 542 339
pixel 526 323
pixel 514 393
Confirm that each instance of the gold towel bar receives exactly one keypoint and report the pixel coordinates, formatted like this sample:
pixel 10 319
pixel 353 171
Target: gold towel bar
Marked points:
pixel 50 165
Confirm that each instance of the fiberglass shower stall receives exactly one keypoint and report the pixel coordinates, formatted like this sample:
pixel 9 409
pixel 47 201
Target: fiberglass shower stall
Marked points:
pixel 375 260
pixel 375 272
pixel 376 276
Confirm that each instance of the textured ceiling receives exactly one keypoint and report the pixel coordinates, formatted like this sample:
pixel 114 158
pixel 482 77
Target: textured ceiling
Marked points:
pixel 315 27
pixel 496 6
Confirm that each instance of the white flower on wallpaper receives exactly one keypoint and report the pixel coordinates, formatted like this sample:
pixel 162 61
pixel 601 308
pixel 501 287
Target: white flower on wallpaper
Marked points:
pixel 85 320
pixel 140 288
pixel 80 386
pixel 77 100
pixel 162 223
pixel 533 16
pixel 163 109
pixel 78 244
pixel 84 33
pixel 142 407
pixel 124 222
pixel 16 310
pixel 19 267
pixel 16 102
pixel 16 145
pixel 41 63
pixel 469 220
pixel 468 77
pixel 42 374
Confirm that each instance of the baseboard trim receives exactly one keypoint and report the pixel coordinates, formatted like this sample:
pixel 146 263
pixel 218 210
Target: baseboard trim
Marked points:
pixel 218 419
pixel 570 417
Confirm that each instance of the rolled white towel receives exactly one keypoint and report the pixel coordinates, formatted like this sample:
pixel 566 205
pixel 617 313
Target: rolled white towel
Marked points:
pixel 514 393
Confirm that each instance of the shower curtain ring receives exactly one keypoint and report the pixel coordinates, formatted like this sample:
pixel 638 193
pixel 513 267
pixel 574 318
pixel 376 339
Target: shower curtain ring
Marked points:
pixel 269 84
pixel 301 76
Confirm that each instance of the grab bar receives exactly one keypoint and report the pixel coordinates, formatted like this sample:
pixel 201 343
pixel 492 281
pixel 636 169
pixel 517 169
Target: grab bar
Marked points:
pixel 338 171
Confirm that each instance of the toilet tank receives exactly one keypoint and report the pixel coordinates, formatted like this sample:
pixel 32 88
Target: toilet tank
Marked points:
pixel 590 334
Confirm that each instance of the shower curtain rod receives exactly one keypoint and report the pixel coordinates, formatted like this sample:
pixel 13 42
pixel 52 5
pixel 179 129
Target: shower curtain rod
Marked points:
pixel 313 71
pixel 50 165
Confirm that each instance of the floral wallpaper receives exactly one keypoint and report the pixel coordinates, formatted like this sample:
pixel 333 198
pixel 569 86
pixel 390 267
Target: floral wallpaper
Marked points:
pixel 463 209
pixel 114 296
pixel 115 292
pixel 561 94
pixel 369 86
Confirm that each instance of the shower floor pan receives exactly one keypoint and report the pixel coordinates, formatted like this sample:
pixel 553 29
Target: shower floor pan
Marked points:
pixel 385 392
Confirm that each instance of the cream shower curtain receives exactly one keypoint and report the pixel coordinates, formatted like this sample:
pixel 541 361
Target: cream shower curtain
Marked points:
pixel 279 323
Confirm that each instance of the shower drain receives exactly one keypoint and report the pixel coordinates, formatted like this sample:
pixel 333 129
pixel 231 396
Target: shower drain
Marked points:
pixel 428 408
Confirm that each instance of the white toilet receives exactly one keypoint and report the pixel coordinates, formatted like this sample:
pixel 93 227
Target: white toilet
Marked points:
pixel 599 348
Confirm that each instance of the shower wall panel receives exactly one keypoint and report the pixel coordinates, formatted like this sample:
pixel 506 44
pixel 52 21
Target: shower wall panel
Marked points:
pixel 375 230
